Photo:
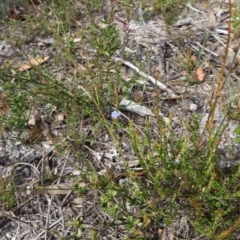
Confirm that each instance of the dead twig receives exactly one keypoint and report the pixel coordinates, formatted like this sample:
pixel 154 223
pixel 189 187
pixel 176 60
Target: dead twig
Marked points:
pixel 48 214
pixel 50 227
pixel 220 82
pixel 150 78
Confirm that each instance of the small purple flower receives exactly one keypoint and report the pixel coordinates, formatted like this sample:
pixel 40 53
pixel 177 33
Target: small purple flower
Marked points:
pixel 115 114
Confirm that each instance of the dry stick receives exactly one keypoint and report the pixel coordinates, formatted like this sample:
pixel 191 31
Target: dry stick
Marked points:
pixel 189 5
pixel 210 121
pixel 50 227
pixel 48 214
pixel 11 216
pixel 60 204
pixel 150 78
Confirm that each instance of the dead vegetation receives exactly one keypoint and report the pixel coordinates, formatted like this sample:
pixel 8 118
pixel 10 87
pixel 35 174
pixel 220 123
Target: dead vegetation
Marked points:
pixel 116 125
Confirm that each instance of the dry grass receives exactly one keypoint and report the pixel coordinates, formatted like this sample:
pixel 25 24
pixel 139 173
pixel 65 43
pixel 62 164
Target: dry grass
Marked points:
pixel 166 167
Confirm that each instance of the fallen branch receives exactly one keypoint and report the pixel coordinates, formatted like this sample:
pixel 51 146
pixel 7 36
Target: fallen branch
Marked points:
pixel 150 78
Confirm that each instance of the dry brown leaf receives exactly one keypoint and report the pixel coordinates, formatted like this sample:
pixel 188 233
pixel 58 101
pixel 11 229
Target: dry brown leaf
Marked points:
pixel 200 74
pixel 33 62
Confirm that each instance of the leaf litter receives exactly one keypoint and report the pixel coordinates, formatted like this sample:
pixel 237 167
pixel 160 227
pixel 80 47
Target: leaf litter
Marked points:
pixel 143 36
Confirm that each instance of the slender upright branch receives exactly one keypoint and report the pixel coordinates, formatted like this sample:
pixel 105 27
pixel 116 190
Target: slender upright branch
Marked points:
pixel 220 82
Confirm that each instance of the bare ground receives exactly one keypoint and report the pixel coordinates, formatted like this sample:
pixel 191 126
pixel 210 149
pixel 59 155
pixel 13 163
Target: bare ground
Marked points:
pixel 171 55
